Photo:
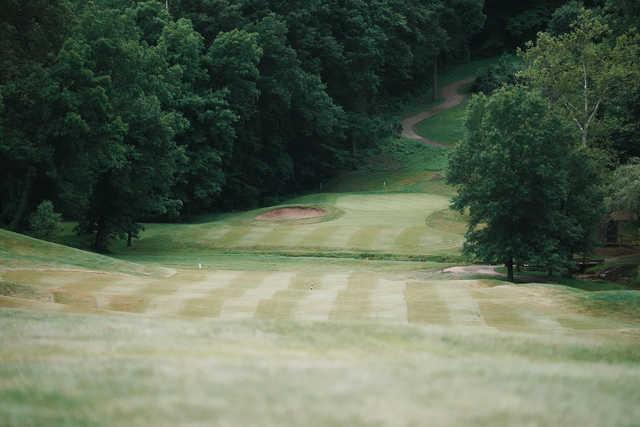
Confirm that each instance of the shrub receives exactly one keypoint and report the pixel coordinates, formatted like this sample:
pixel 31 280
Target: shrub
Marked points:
pixel 501 74
pixel 44 221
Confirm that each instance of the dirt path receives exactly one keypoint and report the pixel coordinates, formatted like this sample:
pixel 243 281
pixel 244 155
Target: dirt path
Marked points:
pixel 451 99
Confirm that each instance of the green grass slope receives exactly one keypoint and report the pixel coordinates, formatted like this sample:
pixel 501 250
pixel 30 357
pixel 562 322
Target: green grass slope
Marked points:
pixel 18 251
pixel 446 127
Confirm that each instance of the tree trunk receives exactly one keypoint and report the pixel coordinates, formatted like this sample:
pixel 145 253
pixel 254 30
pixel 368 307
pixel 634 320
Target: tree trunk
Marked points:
pixel 509 265
pixel 100 242
pixel 129 239
pixel 24 199
pixel 571 264
pixel 435 79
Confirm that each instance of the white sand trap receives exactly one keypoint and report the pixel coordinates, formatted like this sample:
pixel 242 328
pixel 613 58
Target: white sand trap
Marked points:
pixel 244 306
pixel 488 270
pixel 173 304
pixel 320 301
pixel 388 301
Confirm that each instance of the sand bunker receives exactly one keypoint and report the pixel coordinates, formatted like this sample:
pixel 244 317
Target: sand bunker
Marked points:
pixel 296 212
pixel 489 270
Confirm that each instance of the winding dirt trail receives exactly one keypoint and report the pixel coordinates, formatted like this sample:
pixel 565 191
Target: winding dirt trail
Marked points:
pixel 451 99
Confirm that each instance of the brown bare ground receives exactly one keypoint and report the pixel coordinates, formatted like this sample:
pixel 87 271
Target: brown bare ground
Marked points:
pixel 451 99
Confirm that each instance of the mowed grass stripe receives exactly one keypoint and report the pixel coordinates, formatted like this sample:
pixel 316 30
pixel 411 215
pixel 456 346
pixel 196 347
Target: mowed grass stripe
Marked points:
pixel 192 285
pixel 255 236
pixel 463 308
pixel 386 238
pixel 139 298
pixel 542 322
pixel 341 237
pixel 318 304
pixel 122 295
pixel 214 231
pixel 211 303
pixel 88 290
pixel 410 237
pixel 388 301
pixel 276 236
pixel 354 302
pixel 364 237
pixel 515 309
pixel 315 237
pixel 282 303
pixel 66 280
pixel 500 313
pixel 231 237
pixel 424 304
pixel 244 306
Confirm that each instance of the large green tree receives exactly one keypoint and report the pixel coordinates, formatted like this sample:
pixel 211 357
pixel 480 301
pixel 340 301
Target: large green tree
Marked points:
pixel 131 164
pixel 209 135
pixel 624 189
pixel 31 34
pixel 528 191
pixel 580 70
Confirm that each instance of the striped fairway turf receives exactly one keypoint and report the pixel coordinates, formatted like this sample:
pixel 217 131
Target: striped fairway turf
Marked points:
pixel 357 296
pixel 388 223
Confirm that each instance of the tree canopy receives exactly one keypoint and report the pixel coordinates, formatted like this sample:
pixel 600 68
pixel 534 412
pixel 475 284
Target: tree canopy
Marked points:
pixel 145 111
pixel 580 69
pixel 531 196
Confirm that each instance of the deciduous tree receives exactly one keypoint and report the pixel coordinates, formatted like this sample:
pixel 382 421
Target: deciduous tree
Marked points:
pixel 517 178
pixel 579 70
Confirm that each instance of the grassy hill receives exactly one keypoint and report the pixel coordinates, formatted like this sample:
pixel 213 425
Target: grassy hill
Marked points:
pixel 18 251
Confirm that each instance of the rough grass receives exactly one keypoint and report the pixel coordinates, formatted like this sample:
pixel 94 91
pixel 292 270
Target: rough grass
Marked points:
pixel 64 369
pixel 446 127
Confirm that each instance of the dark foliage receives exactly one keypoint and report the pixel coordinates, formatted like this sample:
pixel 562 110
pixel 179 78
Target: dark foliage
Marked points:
pixel 122 111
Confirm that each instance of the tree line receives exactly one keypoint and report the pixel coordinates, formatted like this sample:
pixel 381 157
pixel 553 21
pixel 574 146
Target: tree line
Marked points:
pixel 120 111
pixel 552 141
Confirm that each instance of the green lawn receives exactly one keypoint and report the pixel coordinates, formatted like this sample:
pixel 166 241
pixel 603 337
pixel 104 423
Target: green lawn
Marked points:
pixel 446 127
pixel 70 369
pixel 347 319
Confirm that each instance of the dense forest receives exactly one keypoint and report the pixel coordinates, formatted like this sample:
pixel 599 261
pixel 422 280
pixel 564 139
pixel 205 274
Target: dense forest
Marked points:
pixel 115 112
pixel 120 111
